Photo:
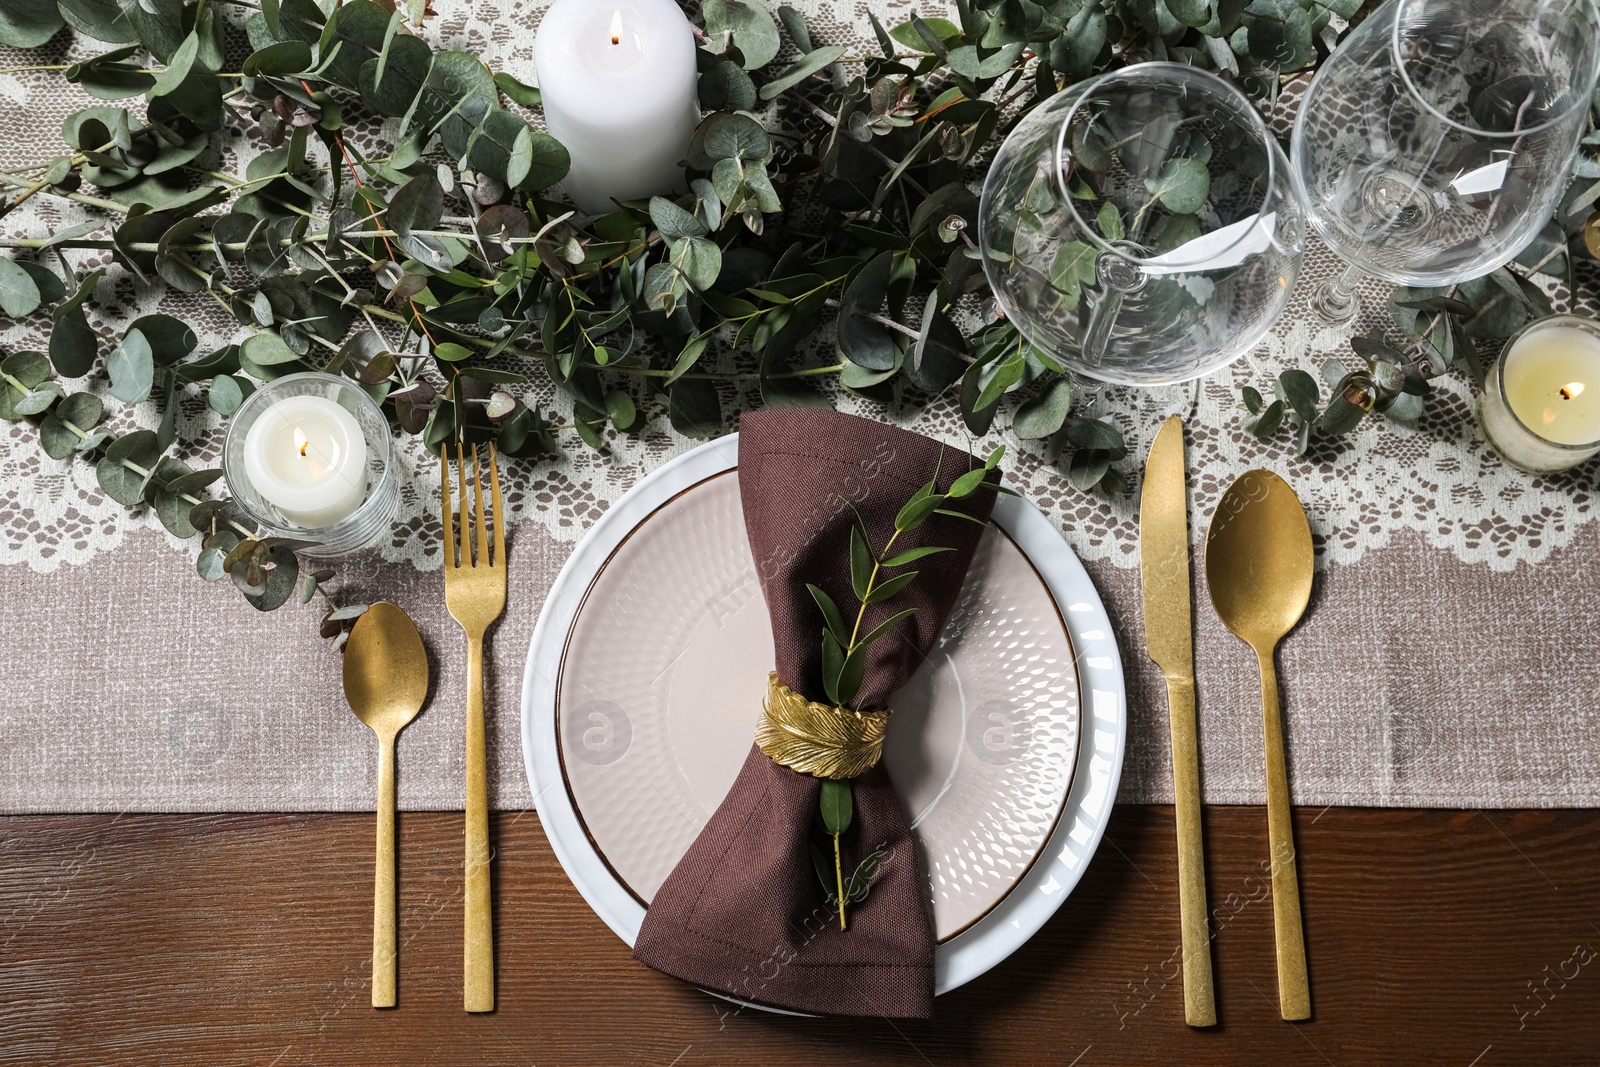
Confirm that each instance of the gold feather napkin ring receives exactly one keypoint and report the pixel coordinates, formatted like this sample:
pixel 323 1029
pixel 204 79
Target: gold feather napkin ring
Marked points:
pixel 819 739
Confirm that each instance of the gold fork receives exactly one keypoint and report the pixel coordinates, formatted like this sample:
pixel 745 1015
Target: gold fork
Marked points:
pixel 475 593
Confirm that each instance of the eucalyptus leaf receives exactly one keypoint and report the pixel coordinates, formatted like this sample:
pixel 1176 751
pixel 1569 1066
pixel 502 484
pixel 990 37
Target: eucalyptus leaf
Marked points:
pixel 19 293
pixel 1181 185
pixel 126 463
pixel 132 367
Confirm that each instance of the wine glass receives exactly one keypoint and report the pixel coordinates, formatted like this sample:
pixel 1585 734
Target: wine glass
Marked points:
pixel 1433 145
pixel 1141 227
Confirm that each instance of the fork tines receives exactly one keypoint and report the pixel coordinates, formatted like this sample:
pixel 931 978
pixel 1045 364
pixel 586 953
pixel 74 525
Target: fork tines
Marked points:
pixel 462 555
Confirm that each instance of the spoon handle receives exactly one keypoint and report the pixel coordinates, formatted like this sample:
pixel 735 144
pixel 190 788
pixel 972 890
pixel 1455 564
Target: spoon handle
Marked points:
pixel 383 897
pixel 1294 988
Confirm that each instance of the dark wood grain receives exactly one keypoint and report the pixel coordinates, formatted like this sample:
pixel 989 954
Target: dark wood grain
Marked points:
pixel 1460 938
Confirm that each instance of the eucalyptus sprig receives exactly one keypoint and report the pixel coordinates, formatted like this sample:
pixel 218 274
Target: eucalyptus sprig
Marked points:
pixel 1442 329
pixel 828 190
pixel 844 650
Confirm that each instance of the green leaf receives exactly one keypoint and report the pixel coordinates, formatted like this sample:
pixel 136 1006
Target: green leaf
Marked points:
pixel 860 563
pixel 267 349
pixel 674 222
pixel 968 483
pixel 1299 390
pixel 824 868
pixel 518 92
pixel 117 480
pixel 693 408
pixel 729 137
pixel 281 577
pixel 916 511
pixel 418 205
pixel 830 613
pixel 900 559
pixel 1073 268
pixel 1181 185
pixel 285 57
pixel 28 23
pixel 81 410
pixel 1095 434
pixel 393 89
pixel 19 293
pixel 754 33
pixel 1110 222
pixel 102 20
pixel 171 339
pixel 836 805
pixel 832 664
pixel 807 65
pixel 1042 416
pixel 225 394
pixel 891 588
pixel 1341 416
pixel 860 881
pixel 1269 422
pixel 132 368
pixel 32 370
pixel 726 87
pixel 886 625
pixel 906 33
pixel 72 344
pixel 48 282
pixel 866 341
pixel 699 261
pixel 38 401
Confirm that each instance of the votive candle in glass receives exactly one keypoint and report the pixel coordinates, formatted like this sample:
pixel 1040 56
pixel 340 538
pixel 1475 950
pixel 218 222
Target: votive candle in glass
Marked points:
pixel 1541 403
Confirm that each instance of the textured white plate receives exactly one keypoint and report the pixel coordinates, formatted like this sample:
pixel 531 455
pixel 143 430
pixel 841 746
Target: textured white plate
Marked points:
pixel 649 664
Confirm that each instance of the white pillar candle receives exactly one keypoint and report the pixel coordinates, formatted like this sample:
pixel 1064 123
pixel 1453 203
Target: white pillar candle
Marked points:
pixel 307 455
pixel 619 87
pixel 1541 404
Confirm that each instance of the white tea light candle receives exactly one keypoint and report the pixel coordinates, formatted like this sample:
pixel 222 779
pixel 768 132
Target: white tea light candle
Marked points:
pixel 308 457
pixel 619 87
pixel 1541 404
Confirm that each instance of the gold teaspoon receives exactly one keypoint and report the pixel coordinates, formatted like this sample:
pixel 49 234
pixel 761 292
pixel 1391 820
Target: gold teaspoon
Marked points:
pixel 1258 567
pixel 385 683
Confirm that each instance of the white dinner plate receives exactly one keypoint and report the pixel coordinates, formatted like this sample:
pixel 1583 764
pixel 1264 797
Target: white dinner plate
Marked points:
pixel 649 664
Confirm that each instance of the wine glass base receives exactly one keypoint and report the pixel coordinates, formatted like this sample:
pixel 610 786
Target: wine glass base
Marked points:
pixel 1334 305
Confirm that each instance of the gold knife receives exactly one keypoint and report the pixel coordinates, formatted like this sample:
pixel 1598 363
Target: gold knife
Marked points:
pixel 1169 637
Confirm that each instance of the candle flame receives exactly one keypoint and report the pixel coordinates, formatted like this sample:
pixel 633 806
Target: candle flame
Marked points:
pixel 616 27
pixel 1571 390
pixel 300 441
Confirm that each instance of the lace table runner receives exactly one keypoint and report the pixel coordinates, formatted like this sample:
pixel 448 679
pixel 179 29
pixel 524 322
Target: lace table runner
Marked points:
pixel 1447 658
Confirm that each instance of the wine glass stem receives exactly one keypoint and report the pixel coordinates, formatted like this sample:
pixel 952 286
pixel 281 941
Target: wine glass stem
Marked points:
pixel 1335 299
pixel 1345 284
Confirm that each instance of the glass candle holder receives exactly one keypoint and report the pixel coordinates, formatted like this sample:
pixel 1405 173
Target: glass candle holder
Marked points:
pixel 309 457
pixel 1541 403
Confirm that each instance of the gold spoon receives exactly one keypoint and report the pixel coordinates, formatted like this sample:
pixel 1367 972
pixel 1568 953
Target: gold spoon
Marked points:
pixel 385 683
pixel 1258 567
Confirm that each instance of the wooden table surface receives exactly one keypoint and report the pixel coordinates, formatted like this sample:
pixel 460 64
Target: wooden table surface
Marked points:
pixel 1438 937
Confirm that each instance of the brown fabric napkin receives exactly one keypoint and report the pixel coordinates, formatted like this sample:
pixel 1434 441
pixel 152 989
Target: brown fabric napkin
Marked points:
pixel 744 913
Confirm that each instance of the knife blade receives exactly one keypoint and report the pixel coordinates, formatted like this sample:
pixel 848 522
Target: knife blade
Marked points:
pixel 1169 638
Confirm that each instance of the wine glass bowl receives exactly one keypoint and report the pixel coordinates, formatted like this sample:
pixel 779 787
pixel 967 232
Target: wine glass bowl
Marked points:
pixel 1433 144
pixel 1141 227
